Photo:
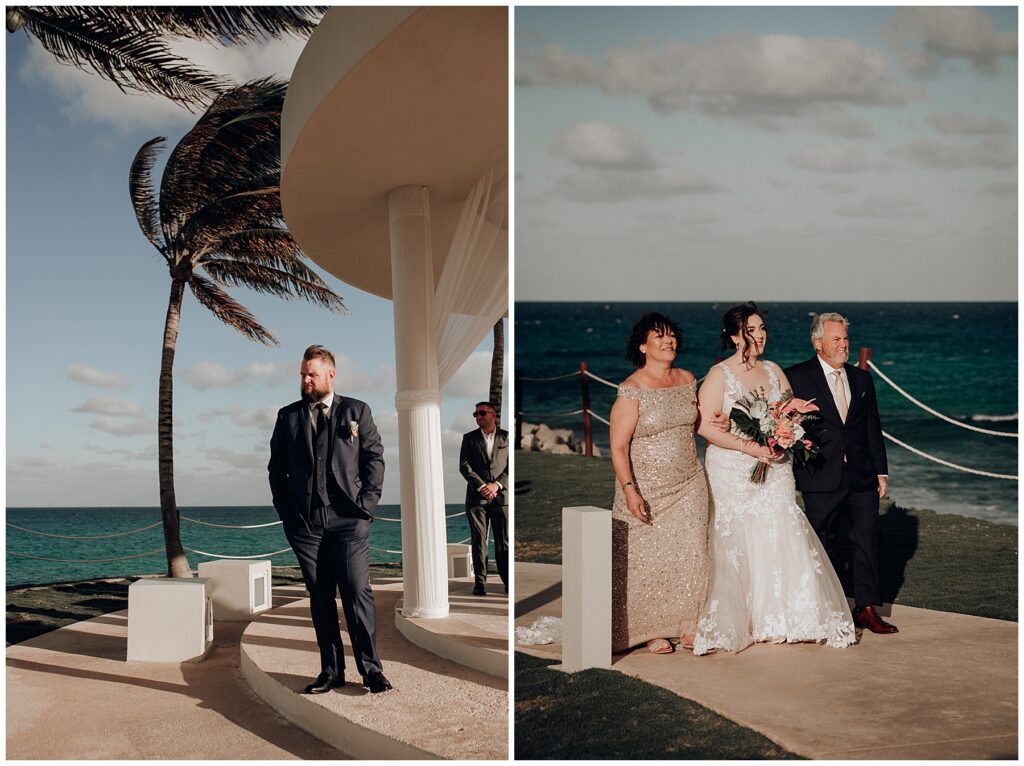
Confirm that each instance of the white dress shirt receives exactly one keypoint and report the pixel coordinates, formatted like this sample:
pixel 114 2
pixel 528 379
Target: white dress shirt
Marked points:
pixel 489 449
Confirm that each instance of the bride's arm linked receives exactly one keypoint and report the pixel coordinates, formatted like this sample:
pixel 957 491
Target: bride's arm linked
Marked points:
pixel 709 401
pixel 625 415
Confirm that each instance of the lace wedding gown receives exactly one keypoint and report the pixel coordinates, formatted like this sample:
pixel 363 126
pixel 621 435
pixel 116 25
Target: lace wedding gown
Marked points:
pixel 772 580
pixel 661 571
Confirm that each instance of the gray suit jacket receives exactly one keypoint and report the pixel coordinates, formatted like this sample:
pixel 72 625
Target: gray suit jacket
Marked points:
pixel 357 462
pixel 478 470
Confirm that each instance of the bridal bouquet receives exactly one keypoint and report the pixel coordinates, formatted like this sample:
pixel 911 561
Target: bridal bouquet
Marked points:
pixel 785 425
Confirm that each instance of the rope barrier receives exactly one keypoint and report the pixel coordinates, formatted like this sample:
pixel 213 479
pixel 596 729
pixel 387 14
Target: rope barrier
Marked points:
pixel 223 556
pixel 384 550
pixel 946 463
pixel 550 414
pixel 600 380
pixel 85 561
pixel 937 414
pixel 556 377
pixel 232 526
pixel 82 537
pixel 598 417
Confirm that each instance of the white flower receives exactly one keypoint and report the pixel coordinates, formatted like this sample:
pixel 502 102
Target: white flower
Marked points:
pixel 766 424
pixel 798 432
pixel 758 409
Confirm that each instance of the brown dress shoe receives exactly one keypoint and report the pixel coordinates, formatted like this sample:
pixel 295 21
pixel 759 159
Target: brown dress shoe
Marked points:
pixel 867 617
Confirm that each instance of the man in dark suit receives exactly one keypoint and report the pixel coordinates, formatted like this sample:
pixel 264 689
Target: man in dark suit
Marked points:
pixel 845 482
pixel 326 477
pixel 483 461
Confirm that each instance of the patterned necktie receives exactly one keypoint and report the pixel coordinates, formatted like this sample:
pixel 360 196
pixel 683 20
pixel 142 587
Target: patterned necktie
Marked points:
pixel 841 404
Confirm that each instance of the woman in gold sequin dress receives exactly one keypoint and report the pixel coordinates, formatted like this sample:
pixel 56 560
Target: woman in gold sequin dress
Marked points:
pixel 660 563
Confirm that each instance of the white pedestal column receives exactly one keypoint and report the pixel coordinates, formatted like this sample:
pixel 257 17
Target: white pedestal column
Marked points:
pixel 586 589
pixel 418 402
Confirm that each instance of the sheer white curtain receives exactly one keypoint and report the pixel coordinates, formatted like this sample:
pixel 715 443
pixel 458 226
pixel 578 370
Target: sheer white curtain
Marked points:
pixel 472 293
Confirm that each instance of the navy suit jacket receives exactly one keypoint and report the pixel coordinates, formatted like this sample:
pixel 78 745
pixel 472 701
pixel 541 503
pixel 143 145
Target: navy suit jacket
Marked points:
pixel 478 470
pixel 357 462
pixel 859 438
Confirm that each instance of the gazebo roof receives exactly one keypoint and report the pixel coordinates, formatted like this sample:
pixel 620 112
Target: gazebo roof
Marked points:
pixel 384 97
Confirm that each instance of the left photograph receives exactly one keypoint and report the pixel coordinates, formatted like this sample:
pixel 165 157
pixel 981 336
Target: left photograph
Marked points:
pixel 260 510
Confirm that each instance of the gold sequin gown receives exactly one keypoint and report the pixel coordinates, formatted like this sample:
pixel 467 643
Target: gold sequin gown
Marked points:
pixel 661 572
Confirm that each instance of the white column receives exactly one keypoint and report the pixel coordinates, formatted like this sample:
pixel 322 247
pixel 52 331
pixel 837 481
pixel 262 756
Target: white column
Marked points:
pixel 418 402
pixel 586 588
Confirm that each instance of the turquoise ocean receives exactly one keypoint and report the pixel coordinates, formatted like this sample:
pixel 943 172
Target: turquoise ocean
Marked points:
pixel 959 359
pixel 385 535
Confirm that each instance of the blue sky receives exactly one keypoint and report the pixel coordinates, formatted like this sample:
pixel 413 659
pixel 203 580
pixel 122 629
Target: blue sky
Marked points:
pixel 86 299
pixel 726 153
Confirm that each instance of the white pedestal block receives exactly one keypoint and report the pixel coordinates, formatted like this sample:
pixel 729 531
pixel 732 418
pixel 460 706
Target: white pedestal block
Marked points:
pixel 239 589
pixel 586 588
pixel 169 619
pixel 460 560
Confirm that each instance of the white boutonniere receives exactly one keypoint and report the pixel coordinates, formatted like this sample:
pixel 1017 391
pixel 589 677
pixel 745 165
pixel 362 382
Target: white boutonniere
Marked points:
pixel 353 430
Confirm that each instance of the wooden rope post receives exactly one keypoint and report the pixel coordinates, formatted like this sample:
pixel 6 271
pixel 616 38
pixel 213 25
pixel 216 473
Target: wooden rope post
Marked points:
pixel 519 409
pixel 864 358
pixel 588 436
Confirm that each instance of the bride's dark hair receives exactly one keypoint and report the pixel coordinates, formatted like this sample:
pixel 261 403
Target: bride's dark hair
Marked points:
pixel 735 323
pixel 650 321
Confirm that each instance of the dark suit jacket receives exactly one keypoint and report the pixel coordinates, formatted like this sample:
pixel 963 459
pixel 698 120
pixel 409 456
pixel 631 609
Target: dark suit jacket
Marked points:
pixel 859 438
pixel 478 470
pixel 357 464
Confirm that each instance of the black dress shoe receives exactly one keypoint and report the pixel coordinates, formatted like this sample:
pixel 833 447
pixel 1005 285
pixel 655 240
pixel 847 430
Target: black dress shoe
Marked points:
pixel 323 683
pixel 376 682
pixel 479 590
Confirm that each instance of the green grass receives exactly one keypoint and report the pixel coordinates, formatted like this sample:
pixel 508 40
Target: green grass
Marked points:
pixel 602 714
pixel 935 561
pixel 34 610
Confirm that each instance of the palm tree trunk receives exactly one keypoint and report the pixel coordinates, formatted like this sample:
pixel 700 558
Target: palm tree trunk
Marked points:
pixel 497 365
pixel 177 564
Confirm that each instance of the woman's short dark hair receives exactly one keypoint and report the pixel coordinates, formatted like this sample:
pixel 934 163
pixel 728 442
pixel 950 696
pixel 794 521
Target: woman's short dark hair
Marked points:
pixel 649 321
pixel 735 323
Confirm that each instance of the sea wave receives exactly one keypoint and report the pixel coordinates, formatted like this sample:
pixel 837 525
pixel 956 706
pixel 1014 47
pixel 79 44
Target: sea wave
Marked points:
pixel 995 418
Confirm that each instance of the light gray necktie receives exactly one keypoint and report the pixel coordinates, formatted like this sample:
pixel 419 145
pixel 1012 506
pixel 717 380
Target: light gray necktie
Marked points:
pixel 841 404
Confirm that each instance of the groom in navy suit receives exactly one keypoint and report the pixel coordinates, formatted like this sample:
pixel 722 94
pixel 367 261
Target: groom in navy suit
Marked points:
pixel 850 475
pixel 326 477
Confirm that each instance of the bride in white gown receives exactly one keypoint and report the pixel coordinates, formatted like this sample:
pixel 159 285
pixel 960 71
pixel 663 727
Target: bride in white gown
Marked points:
pixel 772 580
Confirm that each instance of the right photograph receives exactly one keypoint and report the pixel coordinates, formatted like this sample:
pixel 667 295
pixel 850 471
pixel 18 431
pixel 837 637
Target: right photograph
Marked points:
pixel 766 383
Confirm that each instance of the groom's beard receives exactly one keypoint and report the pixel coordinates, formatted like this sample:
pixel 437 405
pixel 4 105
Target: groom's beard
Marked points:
pixel 312 394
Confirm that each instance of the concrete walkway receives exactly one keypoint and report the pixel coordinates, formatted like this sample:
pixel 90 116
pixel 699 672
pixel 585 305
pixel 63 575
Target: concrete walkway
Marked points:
pixel 944 687
pixel 72 695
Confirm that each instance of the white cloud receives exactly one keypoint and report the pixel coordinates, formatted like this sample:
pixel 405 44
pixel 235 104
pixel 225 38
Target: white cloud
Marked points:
pixel 1000 189
pixel 895 205
pixel 830 158
pixel 252 460
pixel 600 145
pixel 207 375
pixel 930 35
pixel 949 155
pixel 118 426
pixel 610 186
pixel 837 187
pixel 967 124
pixel 771 81
pixel 93 377
pixel 109 405
pixel 264 418
pixel 473 379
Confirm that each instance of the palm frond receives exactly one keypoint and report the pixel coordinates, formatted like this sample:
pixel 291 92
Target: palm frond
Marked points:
pixel 229 311
pixel 268 245
pixel 130 58
pixel 218 24
pixel 223 151
pixel 143 193
pixel 207 226
pixel 265 279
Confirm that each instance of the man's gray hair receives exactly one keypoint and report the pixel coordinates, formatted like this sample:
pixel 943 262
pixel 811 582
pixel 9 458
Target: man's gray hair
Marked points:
pixel 818 324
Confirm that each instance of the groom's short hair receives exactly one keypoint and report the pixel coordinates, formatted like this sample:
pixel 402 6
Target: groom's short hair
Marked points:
pixel 818 324
pixel 319 352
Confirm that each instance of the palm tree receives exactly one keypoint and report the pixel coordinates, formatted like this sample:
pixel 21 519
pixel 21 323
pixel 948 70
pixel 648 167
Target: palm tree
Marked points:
pixel 128 45
pixel 216 221
pixel 497 366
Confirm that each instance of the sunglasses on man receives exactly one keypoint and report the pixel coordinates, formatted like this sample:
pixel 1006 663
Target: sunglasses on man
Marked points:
pixel 481 413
